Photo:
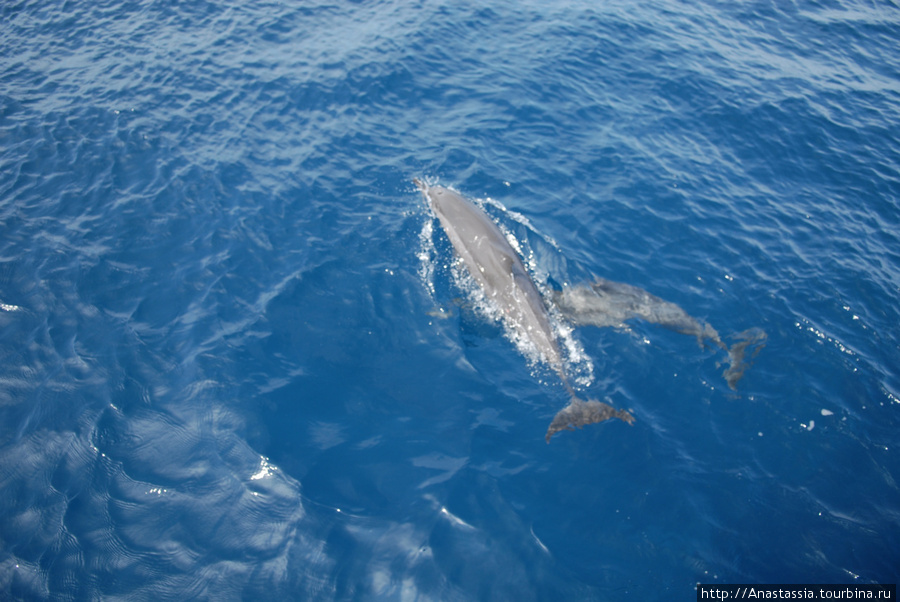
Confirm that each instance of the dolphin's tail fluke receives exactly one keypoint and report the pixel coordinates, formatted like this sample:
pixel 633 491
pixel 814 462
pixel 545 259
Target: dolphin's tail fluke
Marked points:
pixel 579 413
pixel 742 353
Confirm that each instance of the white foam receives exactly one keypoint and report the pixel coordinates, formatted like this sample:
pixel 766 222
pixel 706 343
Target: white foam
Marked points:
pixel 426 256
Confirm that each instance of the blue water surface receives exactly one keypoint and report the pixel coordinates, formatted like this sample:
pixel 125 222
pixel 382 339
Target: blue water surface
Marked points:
pixel 237 361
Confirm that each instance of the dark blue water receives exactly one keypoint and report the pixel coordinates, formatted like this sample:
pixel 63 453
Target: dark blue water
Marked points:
pixel 235 363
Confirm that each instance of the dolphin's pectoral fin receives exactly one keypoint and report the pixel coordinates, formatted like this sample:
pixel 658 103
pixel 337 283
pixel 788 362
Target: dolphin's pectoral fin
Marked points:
pixel 738 357
pixel 579 413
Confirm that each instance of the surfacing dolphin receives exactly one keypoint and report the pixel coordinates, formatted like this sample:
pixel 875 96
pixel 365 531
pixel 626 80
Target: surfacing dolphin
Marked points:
pixel 499 271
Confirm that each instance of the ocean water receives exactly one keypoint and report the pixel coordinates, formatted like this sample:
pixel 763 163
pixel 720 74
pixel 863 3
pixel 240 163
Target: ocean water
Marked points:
pixel 238 360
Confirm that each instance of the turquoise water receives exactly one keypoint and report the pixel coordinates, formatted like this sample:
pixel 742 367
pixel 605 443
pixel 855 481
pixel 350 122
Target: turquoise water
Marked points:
pixel 238 361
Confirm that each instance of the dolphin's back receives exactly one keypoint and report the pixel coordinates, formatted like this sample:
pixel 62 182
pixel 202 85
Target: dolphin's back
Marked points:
pixel 496 267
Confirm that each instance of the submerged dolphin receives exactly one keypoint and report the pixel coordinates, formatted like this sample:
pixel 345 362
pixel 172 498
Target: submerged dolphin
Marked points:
pixel 499 271
pixel 608 303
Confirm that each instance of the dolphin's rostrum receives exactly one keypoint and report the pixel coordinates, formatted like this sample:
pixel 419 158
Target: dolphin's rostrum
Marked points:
pixel 499 271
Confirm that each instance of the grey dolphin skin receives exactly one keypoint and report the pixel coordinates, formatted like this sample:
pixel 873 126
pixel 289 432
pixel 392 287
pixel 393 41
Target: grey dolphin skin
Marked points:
pixel 608 303
pixel 499 271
